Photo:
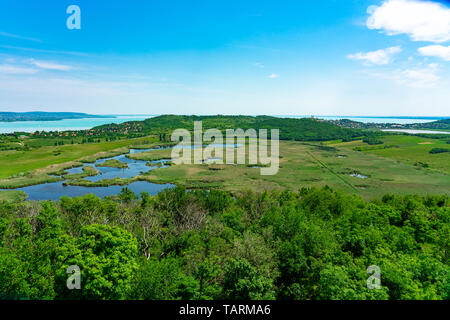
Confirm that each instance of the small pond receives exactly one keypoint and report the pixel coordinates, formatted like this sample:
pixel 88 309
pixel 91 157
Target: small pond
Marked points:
pixel 358 175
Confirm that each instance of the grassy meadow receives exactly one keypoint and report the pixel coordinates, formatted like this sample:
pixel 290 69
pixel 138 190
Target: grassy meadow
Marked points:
pixel 113 163
pixel 309 164
pixel 371 172
pixel 12 196
pixel 408 149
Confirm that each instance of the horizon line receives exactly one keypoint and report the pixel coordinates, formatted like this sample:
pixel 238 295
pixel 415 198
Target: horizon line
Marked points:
pixel 251 115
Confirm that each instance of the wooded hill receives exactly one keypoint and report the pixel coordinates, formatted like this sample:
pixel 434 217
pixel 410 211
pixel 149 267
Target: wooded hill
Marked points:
pixel 305 129
pixel 440 124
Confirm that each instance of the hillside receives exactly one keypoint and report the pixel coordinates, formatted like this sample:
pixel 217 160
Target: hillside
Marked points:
pixel 290 129
pixel 443 124
pixel 44 116
pixel 440 124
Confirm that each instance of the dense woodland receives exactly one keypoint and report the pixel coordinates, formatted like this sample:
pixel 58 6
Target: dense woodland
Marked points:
pixel 180 244
pixel 305 129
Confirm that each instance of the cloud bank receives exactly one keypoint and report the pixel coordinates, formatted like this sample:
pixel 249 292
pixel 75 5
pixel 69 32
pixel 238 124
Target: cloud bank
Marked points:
pixel 378 57
pixel 437 51
pixel 420 20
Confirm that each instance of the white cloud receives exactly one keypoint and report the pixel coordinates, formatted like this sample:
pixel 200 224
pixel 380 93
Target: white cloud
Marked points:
pixel 30 66
pixel 15 36
pixel 49 65
pixel 9 69
pixel 437 51
pixel 258 65
pixel 420 20
pixel 379 57
pixel 274 76
pixel 46 51
pixel 418 77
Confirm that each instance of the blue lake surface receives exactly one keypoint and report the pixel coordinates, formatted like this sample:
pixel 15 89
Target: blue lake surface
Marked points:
pixel 87 123
pixel 412 131
pixel 67 124
pixel 55 190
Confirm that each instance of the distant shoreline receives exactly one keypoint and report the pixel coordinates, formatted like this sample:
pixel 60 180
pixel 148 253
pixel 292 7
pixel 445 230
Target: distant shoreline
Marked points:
pixel 46 116
pixel 55 116
pixel 66 124
pixel 85 123
pixel 419 131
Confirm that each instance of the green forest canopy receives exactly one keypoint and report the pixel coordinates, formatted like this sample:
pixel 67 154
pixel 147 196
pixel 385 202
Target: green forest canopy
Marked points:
pixel 311 244
pixel 304 129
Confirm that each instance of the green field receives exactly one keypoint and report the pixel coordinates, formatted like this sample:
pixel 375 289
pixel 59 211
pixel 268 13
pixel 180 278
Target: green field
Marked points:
pixel 153 155
pixel 408 149
pixel 306 165
pixel 12 196
pixel 375 171
pixel 87 171
pixel 113 163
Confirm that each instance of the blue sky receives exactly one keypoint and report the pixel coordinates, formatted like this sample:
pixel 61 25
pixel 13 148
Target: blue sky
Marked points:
pixel 325 57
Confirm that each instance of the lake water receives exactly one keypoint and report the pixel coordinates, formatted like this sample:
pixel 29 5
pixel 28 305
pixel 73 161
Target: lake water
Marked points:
pixel 358 175
pixel 55 190
pixel 67 124
pixel 412 131
pixel 87 123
